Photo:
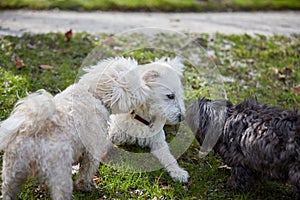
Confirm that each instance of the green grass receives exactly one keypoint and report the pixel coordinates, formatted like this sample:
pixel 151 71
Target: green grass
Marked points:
pixel 231 66
pixel 154 5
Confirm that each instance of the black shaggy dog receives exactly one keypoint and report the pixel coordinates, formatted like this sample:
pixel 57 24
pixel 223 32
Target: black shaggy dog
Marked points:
pixel 255 140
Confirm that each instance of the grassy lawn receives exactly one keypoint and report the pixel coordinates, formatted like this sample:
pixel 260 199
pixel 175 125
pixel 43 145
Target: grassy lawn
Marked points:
pixel 155 5
pixel 217 66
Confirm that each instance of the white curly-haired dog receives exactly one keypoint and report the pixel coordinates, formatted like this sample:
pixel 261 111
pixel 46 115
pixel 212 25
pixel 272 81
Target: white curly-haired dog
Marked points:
pixel 46 134
pixel 144 125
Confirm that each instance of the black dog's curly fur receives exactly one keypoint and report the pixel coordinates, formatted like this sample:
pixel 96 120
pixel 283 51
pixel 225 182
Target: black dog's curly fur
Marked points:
pixel 255 140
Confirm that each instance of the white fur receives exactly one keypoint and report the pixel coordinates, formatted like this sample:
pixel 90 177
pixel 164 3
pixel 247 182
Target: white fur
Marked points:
pixel 45 135
pixel 163 78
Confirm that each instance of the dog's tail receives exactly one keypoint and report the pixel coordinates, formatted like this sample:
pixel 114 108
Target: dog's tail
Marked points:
pixel 29 116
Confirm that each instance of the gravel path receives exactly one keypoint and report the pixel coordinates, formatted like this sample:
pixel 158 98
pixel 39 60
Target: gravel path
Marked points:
pixel 16 22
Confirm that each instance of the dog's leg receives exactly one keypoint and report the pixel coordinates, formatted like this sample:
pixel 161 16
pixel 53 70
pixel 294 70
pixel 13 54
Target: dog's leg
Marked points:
pixel 160 149
pixel 14 174
pixel 87 170
pixel 294 178
pixel 55 166
pixel 59 178
pixel 60 183
pixel 241 179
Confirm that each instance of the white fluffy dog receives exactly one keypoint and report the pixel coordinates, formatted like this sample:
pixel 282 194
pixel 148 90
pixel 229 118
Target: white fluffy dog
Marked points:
pixel 46 134
pixel 144 125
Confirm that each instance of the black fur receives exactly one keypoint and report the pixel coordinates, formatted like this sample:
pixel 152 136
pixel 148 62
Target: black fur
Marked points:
pixel 256 141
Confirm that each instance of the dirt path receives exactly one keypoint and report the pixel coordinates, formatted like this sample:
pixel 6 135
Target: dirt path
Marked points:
pixel 20 21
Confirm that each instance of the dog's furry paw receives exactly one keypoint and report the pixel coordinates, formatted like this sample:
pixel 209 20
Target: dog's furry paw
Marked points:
pixel 84 186
pixel 180 175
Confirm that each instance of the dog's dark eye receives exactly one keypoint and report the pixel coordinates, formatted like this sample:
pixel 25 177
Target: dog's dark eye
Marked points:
pixel 171 96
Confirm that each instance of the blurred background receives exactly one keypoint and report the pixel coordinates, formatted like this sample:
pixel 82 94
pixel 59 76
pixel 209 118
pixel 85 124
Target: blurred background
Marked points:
pixel 154 5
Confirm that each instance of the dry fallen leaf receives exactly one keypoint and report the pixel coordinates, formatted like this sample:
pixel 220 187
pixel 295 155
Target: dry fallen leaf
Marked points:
pixel 46 67
pixel 19 63
pixel 194 159
pixel 110 41
pixel 68 35
pixel 296 88
pixel 97 179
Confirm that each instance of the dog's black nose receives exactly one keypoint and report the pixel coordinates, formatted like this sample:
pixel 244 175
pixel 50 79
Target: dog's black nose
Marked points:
pixel 180 117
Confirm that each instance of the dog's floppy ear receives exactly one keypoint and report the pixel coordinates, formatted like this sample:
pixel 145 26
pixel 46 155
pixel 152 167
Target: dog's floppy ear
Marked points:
pixel 117 83
pixel 150 76
pixel 130 93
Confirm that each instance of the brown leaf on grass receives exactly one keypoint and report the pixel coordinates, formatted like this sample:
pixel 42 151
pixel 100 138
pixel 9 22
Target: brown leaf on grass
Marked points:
pixel 97 179
pixel 68 35
pixel 194 159
pixel 19 63
pixel 110 41
pixel 46 67
pixel 296 88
